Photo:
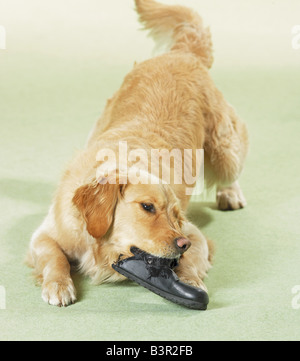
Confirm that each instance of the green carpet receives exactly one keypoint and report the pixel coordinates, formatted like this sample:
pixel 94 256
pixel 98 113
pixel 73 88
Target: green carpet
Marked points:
pixel 49 101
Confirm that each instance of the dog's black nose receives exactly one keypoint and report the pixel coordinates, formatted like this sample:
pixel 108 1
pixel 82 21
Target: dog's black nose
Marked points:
pixel 182 244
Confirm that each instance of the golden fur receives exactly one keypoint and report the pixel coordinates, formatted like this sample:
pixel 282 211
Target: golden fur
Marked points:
pixel 168 102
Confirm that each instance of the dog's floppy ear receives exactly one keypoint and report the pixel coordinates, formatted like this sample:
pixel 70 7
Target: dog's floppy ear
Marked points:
pixel 96 202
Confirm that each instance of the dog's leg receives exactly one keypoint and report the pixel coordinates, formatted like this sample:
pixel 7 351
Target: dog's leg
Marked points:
pixel 226 148
pixel 53 268
pixel 195 263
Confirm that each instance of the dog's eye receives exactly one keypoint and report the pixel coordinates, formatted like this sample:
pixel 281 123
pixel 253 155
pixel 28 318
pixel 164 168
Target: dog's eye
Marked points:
pixel 148 207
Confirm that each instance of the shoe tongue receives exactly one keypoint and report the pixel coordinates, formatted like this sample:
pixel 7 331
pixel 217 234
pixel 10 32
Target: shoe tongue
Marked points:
pixel 153 260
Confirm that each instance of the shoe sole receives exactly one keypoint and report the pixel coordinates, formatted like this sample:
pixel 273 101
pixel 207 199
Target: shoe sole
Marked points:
pixel 194 305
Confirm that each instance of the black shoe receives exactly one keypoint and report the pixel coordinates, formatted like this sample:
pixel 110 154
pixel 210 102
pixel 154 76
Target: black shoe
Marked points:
pixel 156 275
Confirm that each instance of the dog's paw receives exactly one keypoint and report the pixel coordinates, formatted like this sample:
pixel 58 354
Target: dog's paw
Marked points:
pixel 230 198
pixel 59 293
pixel 194 282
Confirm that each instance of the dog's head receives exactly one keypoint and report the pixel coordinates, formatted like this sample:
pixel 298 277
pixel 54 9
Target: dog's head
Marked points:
pixel 147 216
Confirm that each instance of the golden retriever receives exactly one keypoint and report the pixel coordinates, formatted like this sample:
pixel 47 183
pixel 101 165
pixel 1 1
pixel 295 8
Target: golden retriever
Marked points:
pixel 168 102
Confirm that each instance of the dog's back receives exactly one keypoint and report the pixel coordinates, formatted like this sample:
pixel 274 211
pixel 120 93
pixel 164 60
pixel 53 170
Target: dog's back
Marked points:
pixel 167 94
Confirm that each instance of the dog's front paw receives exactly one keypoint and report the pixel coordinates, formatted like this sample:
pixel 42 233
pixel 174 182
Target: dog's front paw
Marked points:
pixel 194 282
pixel 230 198
pixel 59 293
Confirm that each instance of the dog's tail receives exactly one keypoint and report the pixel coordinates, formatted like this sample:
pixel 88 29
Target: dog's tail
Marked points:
pixel 178 24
